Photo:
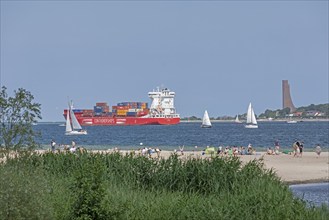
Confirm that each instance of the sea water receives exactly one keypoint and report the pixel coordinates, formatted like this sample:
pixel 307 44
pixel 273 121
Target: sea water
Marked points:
pixel 314 194
pixel 191 135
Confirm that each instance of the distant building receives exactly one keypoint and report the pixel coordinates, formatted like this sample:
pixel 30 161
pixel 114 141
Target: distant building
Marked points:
pixel 314 113
pixel 298 114
pixel 286 98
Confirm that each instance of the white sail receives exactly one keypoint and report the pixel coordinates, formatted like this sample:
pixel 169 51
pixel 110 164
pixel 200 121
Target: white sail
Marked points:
pixel 68 122
pixel 77 129
pixel 251 118
pixel 237 119
pixel 75 123
pixel 249 114
pixel 206 121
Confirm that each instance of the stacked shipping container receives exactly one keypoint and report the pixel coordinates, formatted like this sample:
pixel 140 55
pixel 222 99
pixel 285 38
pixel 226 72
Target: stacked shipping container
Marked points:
pixel 129 109
pixel 122 109
pixel 101 108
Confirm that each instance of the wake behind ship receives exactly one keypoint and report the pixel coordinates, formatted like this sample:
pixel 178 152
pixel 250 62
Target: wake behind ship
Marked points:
pixel 161 112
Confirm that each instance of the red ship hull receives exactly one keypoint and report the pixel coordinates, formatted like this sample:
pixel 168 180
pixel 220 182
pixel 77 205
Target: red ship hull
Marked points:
pixel 112 121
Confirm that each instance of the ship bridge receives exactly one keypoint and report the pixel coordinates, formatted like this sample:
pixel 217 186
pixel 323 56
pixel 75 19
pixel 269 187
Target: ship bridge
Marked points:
pixel 162 103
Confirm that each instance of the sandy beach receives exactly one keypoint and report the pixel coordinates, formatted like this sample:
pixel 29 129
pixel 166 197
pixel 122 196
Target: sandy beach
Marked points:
pixel 293 170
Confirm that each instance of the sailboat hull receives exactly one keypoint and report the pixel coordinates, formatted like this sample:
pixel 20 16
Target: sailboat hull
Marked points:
pixel 206 126
pixel 76 133
pixel 251 126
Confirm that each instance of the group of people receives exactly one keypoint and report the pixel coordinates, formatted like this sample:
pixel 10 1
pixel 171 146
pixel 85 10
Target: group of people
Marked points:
pixel 298 147
pixel 230 150
pixel 275 150
pixel 148 151
pixel 73 148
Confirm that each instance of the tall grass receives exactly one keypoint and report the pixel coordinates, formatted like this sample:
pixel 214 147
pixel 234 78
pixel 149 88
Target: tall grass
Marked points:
pixel 112 186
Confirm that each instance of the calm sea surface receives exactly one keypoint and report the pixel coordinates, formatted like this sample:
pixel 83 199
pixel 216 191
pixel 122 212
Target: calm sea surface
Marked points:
pixel 190 135
pixel 314 194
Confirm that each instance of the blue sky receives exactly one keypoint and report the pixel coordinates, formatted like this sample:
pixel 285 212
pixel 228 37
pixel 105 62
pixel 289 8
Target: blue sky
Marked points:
pixel 216 55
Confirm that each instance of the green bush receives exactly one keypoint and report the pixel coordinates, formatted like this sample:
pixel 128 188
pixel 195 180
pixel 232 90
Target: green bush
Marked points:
pixel 112 186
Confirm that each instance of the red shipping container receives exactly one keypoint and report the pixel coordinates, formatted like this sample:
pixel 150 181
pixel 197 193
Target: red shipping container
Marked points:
pixel 101 104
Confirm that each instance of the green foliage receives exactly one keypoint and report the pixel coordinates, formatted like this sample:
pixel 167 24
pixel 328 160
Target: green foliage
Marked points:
pixel 23 193
pixel 89 188
pixel 112 186
pixel 282 113
pixel 18 113
pixel 192 118
pixel 321 108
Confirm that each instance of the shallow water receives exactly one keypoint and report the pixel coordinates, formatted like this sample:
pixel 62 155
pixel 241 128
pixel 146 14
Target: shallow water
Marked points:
pixel 314 194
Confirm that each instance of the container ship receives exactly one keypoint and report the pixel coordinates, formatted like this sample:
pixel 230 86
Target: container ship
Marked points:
pixel 161 112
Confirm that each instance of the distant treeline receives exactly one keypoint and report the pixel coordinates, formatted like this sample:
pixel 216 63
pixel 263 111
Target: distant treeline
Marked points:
pixel 311 111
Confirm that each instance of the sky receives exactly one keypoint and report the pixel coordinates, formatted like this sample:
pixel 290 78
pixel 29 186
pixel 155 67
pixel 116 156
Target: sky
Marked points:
pixel 215 55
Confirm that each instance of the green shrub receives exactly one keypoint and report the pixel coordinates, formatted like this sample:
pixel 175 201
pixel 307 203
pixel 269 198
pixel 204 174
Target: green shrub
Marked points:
pixel 112 186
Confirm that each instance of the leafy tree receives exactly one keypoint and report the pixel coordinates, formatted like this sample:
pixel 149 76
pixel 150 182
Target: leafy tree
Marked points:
pixel 17 115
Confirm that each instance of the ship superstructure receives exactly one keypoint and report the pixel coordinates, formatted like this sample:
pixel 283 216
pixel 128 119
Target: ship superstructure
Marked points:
pixel 162 104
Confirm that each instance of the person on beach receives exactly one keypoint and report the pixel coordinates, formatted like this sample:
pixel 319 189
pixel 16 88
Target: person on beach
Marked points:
pixel 52 144
pixel 149 152
pixel 318 150
pixel 295 147
pixel 73 149
pixel 270 151
pixel 276 147
pixel 181 150
pixel 249 150
pixel 220 150
pixel 243 150
pixel 158 151
pixel 301 146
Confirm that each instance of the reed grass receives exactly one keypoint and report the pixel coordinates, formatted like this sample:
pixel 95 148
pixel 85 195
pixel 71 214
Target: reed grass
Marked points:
pixel 113 186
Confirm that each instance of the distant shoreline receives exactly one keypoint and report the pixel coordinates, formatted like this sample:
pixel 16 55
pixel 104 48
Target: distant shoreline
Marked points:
pixel 261 120
pixel 199 121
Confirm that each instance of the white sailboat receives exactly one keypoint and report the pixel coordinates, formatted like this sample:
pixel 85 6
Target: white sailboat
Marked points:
pixel 237 119
pixel 206 121
pixel 72 126
pixel 291 121
pixel 251 118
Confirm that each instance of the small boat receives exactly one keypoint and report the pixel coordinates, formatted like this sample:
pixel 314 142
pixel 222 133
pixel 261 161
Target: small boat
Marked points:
pixel 237 120
pixel 206 121
pixel 72 126
pixel 251 118
pixel 291 122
